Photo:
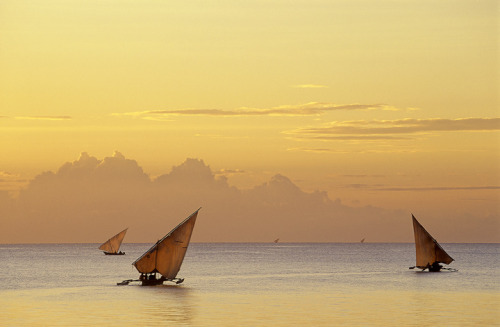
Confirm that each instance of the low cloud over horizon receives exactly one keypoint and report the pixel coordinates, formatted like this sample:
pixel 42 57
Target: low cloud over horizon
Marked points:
pixel 307 109
pixel 393 129
pixel 90 199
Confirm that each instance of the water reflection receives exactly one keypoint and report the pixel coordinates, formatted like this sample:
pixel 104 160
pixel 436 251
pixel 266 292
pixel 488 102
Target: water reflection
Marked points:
pixel 167 303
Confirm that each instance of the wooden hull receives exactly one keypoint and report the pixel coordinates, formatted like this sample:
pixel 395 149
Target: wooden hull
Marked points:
pixel 159 281
pixel 114 253
pixel 152 282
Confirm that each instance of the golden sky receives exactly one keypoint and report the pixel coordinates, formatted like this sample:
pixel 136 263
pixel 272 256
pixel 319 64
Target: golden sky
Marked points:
pixel 390 104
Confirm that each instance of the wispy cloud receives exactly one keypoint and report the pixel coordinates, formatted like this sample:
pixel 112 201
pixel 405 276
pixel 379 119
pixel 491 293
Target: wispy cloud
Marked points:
pixel 380 187
pixel 45 117
pixel 393 129
pixel 441 188
pixel 312 150
pixel 220 136
pixel 351 150
pixel 229 172
pixel 363 176
pixel 310 86
pixel 6 174
pixel 307 109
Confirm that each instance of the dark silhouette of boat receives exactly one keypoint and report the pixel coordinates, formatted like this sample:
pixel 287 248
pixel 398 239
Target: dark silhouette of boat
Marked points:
pixel 163 260
pixel 112 246
pixel 429 254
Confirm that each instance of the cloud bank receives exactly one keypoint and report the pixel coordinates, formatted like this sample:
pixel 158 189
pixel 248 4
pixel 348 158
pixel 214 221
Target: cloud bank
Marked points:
pixel 90 199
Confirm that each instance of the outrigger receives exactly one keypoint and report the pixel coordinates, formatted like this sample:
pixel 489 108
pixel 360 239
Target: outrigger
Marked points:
pixel 165 257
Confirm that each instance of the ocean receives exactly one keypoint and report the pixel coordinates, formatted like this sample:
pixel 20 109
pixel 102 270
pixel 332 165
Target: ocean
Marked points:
pixel 251 284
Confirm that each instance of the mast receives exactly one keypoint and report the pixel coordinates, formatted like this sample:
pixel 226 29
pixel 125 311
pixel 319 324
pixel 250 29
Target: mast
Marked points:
pixel 167 255
pixel 427 248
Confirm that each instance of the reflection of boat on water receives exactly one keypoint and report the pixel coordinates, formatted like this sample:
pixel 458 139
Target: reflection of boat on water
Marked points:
pixel 429 254
pixel 111 246
pixel 166 256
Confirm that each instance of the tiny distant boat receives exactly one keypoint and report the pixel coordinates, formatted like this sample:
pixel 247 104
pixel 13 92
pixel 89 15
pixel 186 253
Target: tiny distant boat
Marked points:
pixel 276 240
pixel 362 240
pixel 428 251
pixel 112 246
pixel 166 256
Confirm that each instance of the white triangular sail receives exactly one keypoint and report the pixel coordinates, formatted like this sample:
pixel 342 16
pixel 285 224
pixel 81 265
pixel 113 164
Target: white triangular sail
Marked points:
pixel 167 254
pixel 427 248
pixel 113 244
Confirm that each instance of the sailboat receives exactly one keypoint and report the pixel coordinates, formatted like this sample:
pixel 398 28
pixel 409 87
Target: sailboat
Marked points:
pixel 276 240
pixel 428 251
pixel 166 256
pixel 362 240
pixel 111 246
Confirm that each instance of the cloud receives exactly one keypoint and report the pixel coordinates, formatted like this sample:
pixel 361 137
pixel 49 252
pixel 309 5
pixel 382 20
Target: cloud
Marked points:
pixel 312 108
pixel 380 187
pixel 89 199
pixel 45 117
pixel 338 151
pixel 6 174
pixel 313 150
pixel 229 172
pixel 363 176
pixel 357 137
pixel 11 182
pixel 393 129
pixel 440 188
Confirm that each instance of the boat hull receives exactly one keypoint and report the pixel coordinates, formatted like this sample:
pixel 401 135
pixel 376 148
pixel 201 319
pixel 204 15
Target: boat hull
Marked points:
pixel 114 253
pixel 153 282
pixel 159 281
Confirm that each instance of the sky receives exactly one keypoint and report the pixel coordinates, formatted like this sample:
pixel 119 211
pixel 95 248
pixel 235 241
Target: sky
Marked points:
pixel 311 120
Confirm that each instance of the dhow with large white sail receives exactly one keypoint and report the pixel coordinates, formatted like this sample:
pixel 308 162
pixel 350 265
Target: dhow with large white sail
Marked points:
pixel 429 254
pixel 166 256
pixel 112 246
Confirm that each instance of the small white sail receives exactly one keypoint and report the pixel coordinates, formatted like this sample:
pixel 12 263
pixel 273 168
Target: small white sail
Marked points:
pixel 113 244
pixel 427 248
pixel 167 254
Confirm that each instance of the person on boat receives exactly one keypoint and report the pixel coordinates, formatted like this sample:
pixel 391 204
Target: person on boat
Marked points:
pixel 435 267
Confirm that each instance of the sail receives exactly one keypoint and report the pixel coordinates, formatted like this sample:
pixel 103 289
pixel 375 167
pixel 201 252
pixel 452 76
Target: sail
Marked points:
pixel 427 248
pixel 167 254
pixel 113 244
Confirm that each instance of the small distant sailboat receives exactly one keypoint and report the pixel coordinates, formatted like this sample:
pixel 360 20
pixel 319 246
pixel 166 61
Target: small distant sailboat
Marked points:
pixel 112 246
pixel 362 240
pixel 276 240
pixel 166 256
pixel 428 251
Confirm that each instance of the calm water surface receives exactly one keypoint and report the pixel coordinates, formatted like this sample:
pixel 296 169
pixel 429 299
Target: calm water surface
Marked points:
pixel 230 284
